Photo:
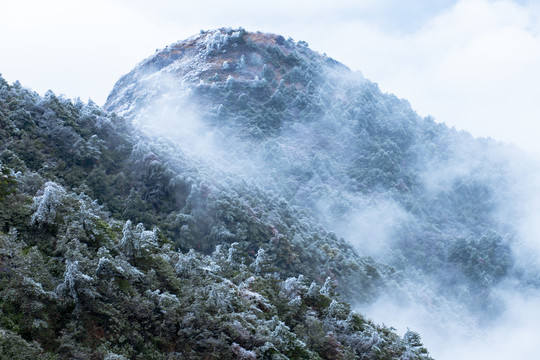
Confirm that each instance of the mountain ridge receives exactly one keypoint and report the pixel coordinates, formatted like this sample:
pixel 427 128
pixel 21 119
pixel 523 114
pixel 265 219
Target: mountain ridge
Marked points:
pixel 407 191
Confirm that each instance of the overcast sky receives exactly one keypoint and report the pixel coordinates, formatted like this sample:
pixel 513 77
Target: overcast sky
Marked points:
pixel 473 64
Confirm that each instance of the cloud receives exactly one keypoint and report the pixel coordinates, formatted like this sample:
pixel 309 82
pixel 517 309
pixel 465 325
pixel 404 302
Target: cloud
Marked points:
pixel 449 334
pixel 369 225
pixel 77 48
pixel 472 65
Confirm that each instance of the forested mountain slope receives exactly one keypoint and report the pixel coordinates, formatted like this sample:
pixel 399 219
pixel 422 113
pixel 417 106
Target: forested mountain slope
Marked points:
pixel 116 245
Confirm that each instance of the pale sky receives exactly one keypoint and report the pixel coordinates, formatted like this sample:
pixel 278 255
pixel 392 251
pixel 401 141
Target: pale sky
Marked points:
pixel 473 64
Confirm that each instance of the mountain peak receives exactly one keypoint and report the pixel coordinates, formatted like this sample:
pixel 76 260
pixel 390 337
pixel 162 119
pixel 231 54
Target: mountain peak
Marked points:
pixel 229 45
pixel 216 57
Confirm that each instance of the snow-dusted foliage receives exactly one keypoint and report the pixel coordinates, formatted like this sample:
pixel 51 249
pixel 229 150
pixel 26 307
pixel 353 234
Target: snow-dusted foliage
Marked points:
pixel 112 356
pixel 7 181
pixel 75 282
pixel 217 40
pixel 137 242
pixel 187 264
pixel 47 204
pixel 243 354
pixel 87 151
pixel 259 261
pixel 293 287
pixel 109 267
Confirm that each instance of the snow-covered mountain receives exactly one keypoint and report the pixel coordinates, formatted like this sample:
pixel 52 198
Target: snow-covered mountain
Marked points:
pixel 237 196
pixel 444 210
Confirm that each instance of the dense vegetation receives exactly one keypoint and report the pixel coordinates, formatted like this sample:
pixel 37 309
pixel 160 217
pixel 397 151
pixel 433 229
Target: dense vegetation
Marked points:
pixel 332 144
pixel 115 245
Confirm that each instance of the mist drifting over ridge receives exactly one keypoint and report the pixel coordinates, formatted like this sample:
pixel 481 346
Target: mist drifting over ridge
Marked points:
pixel 450 213
pixel 259 178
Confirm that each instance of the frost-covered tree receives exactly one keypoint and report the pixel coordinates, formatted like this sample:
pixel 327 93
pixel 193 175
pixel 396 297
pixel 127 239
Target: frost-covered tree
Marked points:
pixel 7 182
pixel 75 283
pixel 137 243
pixel 47 204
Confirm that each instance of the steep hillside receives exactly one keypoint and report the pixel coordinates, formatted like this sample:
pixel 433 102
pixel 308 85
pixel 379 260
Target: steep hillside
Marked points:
pixel 84 277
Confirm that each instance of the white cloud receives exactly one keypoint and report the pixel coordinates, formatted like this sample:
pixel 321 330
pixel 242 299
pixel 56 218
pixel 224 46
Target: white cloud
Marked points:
pixel 473 66
pixel 77 48
pixel 450 335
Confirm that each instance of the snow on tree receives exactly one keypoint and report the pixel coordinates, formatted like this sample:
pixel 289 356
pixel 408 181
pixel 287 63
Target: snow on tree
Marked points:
pixel 285 340
pixel 293 287
pixel 112 356
pixel 7 182
pixel 243 354
pixel 86 223
pixel 232 251
pixel 46 205
pixel 88 151
pixel 109 267
pixel 326 289
pixel 75 282
pixel 137 242
pixel 215 41
pixel 187 264
pixel 259 261
pixel 167 303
